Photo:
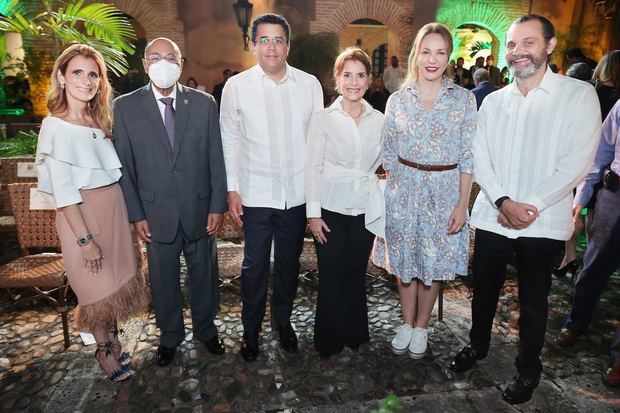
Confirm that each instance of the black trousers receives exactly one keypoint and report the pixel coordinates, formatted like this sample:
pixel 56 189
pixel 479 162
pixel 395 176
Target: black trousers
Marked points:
pixel 534 258
pixel 286 228
pixel 202 277
pixel 600 260
pixel 341 311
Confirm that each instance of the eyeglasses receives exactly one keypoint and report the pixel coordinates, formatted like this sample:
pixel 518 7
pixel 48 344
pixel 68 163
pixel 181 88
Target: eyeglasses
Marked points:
pixel 276 41
pixel 156 57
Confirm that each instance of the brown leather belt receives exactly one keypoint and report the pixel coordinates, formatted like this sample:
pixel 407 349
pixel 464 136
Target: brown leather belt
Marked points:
pixel 432 168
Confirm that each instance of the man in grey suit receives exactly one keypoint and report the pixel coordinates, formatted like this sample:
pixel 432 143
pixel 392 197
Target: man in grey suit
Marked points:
pixel 174 182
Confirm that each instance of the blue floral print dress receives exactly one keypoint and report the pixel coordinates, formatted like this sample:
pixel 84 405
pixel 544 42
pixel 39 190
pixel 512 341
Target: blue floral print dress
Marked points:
pixel 419 203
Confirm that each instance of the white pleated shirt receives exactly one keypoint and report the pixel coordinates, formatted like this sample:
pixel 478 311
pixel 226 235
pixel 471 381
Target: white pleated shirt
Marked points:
pixel 535 149
pixel 69 159
pixel 264 126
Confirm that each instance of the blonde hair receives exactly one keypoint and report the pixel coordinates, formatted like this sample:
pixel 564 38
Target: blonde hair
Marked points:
pixel 413 71
pixel 351 53
pixel 99 106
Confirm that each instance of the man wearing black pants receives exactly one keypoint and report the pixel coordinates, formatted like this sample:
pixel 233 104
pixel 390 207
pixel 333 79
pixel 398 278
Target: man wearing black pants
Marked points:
pixel 260 226
pixel 264 118
pixel 534 262
pixel 532 147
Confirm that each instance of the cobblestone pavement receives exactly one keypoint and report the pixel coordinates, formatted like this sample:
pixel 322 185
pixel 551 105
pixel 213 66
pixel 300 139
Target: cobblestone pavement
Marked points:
pixel 37 374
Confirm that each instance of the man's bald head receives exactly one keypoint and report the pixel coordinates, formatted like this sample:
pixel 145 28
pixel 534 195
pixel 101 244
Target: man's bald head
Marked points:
pixel 162 43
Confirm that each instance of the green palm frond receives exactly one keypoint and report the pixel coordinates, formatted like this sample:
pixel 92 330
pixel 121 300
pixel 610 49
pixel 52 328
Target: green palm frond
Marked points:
pixel 102 21
pixel 99 25
pixel 478 46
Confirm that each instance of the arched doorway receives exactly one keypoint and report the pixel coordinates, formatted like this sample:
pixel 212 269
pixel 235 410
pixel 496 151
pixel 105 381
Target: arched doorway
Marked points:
pixel 372 36
pixel 335 16
pixel 472 41
pixel 490 16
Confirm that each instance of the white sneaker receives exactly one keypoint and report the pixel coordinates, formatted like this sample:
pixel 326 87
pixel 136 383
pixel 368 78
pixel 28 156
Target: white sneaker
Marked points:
pixel 401 340
pixel 418 343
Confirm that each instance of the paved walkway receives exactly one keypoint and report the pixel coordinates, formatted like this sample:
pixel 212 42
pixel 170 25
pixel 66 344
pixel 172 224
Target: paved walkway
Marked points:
pixel 36 374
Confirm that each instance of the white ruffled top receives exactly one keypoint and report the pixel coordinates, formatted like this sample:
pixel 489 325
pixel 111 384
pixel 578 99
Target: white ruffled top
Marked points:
pixel 69 159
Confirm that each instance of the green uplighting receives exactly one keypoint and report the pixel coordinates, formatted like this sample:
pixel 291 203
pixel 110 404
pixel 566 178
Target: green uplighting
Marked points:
pixel 492 17
pixel 15 112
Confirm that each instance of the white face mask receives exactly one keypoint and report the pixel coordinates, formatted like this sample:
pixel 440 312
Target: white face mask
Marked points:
pixel 164 74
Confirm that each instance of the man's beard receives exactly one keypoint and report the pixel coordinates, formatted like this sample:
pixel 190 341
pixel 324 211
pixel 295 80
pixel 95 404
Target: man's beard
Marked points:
pixel 529 70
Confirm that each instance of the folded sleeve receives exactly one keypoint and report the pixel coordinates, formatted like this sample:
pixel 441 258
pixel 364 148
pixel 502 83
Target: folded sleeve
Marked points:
pixel 315 157
pixel 468 130
pixel 64 191
pixel 230 127
pixel 389 134
pixel 484 170
pixel 604 155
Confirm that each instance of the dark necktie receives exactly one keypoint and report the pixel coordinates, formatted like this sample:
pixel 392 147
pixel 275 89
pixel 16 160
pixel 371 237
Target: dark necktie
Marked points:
pixel 169 119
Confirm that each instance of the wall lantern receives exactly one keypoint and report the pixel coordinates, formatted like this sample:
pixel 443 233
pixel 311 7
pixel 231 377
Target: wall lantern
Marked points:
pixel 243 11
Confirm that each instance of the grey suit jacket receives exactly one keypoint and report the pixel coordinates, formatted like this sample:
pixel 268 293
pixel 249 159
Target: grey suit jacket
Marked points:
pixel 165 185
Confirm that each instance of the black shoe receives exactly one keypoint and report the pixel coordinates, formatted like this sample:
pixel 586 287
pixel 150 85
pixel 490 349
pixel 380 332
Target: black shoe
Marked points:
pixel 566 337
pixel 288 338
pixel 520 389
pixel 354 347
pixel 571 267
pixel 465 359
pixel 249 345
pixel 215 345
pixel 165 355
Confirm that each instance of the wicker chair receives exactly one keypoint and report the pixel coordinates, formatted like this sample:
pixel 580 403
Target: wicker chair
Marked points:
pixel 43 274
pixel 9 175
pixel 230 253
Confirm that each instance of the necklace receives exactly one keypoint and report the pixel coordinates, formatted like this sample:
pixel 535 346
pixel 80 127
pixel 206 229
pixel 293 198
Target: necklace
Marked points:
pixel 359 114
pixel 84 124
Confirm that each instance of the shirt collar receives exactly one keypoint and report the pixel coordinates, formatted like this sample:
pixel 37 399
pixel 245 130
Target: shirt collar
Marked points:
pixel 549 84
pixel 446 85
pixel 337 105
pixel 172 95
pixel 287 75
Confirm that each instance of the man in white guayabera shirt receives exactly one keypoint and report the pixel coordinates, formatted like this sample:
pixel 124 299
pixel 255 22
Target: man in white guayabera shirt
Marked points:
pixel 264 118
pixel 536 139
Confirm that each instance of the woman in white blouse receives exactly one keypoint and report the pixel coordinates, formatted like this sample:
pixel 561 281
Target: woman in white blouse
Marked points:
pixel 344 203
pixel 78 167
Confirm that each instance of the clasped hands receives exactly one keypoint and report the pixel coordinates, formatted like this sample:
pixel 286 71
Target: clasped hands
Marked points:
pixel 516 215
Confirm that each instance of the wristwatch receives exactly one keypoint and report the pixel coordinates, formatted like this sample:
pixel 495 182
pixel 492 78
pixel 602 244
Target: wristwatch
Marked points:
pixel 84 239
pixel 500 201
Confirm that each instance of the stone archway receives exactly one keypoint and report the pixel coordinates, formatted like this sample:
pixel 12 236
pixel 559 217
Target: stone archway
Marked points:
pixel 484 15
pixel 333 17
pixel 159 18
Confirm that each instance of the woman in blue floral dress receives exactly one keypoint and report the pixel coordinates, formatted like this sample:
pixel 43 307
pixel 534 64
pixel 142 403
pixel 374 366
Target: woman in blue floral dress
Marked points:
pixel 429 126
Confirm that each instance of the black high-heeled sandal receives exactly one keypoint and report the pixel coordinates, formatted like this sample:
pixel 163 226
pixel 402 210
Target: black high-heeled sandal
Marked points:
pixel 571 267
pixel 125 357
pixel 118 375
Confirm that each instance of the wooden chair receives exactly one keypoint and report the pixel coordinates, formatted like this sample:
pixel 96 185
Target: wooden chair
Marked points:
pixel 9 175
pixel 42 274
pixel 230 253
